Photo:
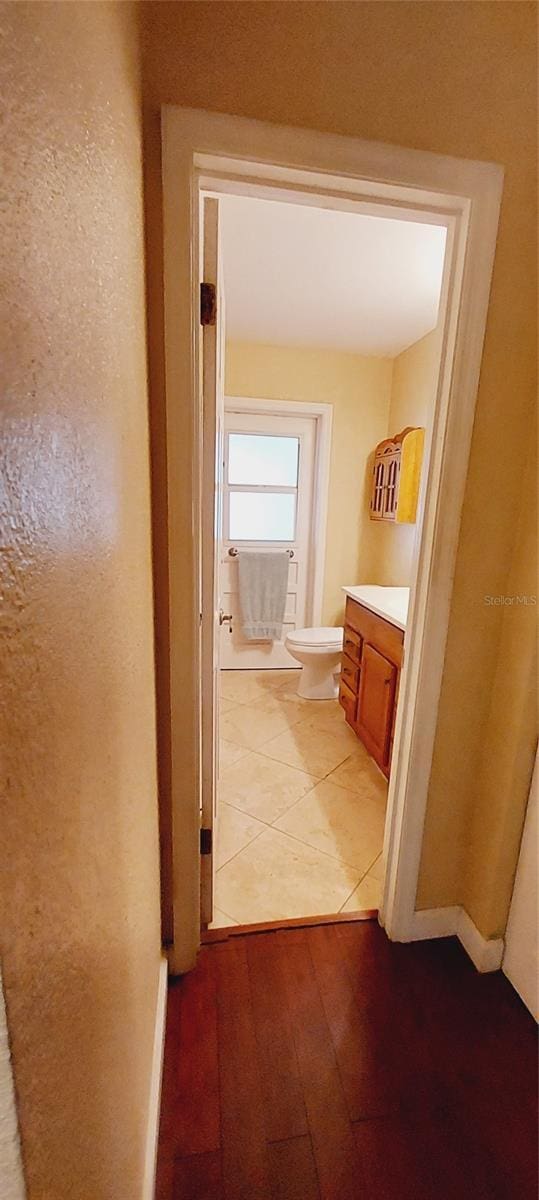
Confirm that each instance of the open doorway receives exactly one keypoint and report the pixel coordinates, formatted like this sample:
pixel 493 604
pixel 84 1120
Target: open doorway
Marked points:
pixel 331 363
pixel 215 155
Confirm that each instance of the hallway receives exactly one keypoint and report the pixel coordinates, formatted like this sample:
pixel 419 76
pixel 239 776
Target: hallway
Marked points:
pixel 326 1063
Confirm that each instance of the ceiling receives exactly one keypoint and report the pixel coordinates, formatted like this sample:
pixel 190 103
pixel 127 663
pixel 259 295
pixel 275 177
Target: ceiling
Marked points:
pixel 302 276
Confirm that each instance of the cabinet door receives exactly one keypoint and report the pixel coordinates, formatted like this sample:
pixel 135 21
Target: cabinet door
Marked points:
pixel 376 703
pixel 378 489
pixel 391 485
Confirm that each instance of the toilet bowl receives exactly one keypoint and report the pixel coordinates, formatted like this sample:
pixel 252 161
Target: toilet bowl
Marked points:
pixel 319 652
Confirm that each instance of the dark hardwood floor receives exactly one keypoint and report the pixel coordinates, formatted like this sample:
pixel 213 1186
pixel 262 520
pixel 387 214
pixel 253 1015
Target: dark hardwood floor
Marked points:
pixel 326 1063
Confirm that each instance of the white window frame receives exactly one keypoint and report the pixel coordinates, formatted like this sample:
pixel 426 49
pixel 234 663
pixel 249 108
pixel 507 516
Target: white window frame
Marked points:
pixel 213 153
pixel 258 488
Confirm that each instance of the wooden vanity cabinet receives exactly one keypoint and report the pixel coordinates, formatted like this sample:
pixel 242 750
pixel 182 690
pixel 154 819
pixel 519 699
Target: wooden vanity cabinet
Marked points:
pixel 370 669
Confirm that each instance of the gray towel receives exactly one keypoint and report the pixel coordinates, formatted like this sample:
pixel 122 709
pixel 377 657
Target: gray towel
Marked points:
pixel 263 583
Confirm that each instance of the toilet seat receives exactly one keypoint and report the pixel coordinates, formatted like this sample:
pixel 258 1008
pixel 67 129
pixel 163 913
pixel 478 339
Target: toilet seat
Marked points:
pixel 321 637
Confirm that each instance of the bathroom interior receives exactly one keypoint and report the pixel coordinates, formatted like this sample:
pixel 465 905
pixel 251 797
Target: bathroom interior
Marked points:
pixel 331 367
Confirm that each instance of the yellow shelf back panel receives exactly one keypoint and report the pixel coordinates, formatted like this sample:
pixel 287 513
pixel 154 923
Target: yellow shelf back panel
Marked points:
pixel 410 475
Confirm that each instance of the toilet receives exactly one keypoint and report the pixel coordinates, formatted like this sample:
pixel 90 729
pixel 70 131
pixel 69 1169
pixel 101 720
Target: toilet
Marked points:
pixel 319 651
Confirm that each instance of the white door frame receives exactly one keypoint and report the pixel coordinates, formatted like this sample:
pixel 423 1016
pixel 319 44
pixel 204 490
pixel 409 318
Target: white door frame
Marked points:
pixel 322 414
pixel 215 153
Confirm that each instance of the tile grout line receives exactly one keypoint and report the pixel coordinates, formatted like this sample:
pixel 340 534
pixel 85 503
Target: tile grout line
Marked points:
pixel 211 926
pixel 301 770
pixel 290 726
pixel 360 881
pixel 309 723
pixel 293 837
pixel 241 849
pixel 334 768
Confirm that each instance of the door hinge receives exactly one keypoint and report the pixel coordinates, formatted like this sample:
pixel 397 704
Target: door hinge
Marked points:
pixel 206 840
pixel 208 304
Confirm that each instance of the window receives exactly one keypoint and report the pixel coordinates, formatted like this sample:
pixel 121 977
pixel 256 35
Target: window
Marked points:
pixel 263 459
pixel 261 477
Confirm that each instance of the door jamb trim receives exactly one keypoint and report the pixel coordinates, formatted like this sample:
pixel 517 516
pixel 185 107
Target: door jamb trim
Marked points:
pixel 329 170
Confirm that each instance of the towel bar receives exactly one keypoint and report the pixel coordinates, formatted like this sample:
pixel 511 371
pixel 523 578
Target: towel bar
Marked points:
pixel 233 550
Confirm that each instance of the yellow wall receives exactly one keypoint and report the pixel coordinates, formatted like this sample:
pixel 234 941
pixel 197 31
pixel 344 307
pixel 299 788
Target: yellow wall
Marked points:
pixel 415 374
pixel 80 938
pixel 462 82
pixel 506 757
pixel 359 391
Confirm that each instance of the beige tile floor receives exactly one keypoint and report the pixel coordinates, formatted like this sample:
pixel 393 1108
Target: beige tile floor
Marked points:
pixel 301 805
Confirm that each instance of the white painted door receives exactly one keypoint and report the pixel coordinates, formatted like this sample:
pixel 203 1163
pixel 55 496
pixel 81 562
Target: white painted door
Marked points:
pixel 268 505
pixel 520 959
pixel 213 349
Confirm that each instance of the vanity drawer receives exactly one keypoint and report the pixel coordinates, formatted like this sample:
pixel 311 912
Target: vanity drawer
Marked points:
pixel 348 701
pixel 352 644
pixel 350 673
pixel 369 627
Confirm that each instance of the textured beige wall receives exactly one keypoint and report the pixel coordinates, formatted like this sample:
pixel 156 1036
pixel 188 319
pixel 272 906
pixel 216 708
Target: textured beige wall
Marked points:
pixel 507 753
pixel 80 940
pixel 358 389
pixel 462 81
pixel 415 374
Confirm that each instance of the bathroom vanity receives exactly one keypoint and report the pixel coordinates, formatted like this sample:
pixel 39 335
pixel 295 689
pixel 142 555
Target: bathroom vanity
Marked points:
pixel 374 626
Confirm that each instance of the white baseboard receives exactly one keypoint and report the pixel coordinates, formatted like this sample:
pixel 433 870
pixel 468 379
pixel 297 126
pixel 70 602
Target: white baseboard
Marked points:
pixel 485 953
pixel 434 923
pixel 154 1108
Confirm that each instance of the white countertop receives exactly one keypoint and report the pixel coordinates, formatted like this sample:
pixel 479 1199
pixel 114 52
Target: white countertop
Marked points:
pixel 391 603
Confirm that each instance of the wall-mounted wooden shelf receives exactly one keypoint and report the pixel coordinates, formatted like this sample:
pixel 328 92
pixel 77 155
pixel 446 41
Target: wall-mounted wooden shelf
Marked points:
pixel 396 476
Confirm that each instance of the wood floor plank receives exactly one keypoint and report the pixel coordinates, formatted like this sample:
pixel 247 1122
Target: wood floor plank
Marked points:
pixel 284 1106
pixel 198 1177
pixel 436 1063
pixel 292 1170
pixel 245 1165
pixel 475 1031
pixel 401 1038
pixel 401 1158
pixel 197 1104
pixel 393 1161
pixel 331 1133
pixel 486 1045
pixel 364 992
pixel 358 1030
pixel 414 1158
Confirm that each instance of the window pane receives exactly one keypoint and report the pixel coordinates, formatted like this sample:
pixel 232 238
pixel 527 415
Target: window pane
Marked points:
pixel 262 459
pixel 262 516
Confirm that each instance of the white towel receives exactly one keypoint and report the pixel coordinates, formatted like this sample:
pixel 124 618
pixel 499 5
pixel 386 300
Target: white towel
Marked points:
pixel 263 583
